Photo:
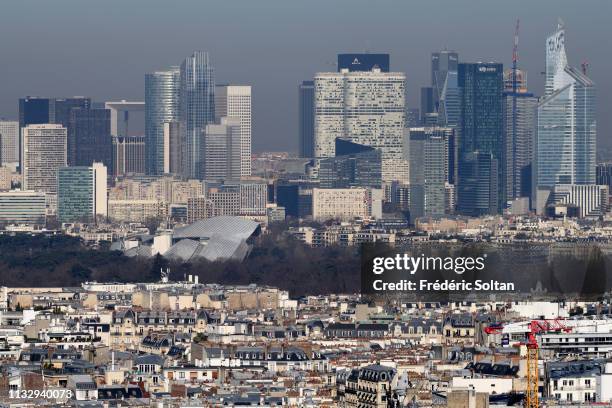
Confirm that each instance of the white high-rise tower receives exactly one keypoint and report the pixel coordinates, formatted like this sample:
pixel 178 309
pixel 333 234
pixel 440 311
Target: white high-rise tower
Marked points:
pixel 234 101
pixel 44 152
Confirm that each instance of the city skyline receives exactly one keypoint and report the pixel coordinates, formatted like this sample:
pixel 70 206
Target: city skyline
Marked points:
pixel 275 66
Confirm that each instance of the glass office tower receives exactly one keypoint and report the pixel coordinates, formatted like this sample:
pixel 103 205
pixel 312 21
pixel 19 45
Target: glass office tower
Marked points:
pixel 306 118
pixel 431 164
pixel 355 165
pixel 162 91
pixel 197 100
pixel 89 138
pixel 446 98
pixel 520 108
pixel 567 128
pixel 481 139
pixel 81 193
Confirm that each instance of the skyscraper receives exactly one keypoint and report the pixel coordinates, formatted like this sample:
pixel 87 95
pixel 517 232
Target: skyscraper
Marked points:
pixel 172 148
pixel 197 109
pixel 481 142
pixel 128 155
pixel 520 108
pixel 355 165
pixel 367 108
pixel 221 150
pixel 89 138
pixel 306 118
pixel 61 108
pixel 162 101
pixel 479 184
pixel 234 101
pixel 44 152
pixel 566 129
pixel 431 162
pixel 81 193
pixel 33 110
pixel 9 143
pixel 446 97
pixel 442 97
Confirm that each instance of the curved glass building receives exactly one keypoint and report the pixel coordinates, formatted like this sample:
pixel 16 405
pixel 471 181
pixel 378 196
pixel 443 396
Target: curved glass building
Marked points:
pixel 197 108
pixel 162 102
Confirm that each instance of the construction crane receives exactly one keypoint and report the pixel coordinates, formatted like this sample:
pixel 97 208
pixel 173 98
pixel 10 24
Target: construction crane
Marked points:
pixel 515 57
pixel 514 96
pixel 536 327
pixel 585 66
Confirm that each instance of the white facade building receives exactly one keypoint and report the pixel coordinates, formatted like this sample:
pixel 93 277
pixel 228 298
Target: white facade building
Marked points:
pixel 22 207
pixel 340 203
pixel 235 101
pixel 9 143
pixel 44 152
pixel 365 107
pixel 592 199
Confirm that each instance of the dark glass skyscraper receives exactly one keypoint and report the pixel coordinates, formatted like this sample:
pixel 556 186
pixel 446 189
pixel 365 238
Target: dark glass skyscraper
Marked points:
pixel 479 184
pixel 363 62
pixel 442 97
pixel 33 111
pixel 60 108
pixel 355 165
pixel 520 109
pixel 197 108
pixel 306 118
pixel 481 139
pixel 162 101
pixel 89 138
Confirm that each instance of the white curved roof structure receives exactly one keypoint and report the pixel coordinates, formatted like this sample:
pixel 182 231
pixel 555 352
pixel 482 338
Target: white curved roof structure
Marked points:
pixel 224 227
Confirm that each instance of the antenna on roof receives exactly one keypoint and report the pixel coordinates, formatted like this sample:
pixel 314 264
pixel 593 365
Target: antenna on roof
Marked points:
pixel 585 66
pixel 560 23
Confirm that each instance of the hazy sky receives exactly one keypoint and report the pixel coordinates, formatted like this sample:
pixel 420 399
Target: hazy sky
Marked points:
pixel 103 48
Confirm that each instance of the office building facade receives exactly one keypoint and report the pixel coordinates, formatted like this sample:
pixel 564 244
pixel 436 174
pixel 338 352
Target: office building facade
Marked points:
pixel 197 100
pixel 520 110
pixel 306 118
pixel 60 109
pixel 431 162
pixel 591 199
pixel 367 108
pixel 172 148
pixel 478 190
pixel 344 204
pixel 603 175
pixel 481 141
pixel 566 127
pixel 82 193
pixel 355 165
pixel 89 138
pixel 44 153
pixel 162 103
pixel 9 143
pixel 22 207
pixel 221 150
pixel 234 101
pixel 253 198
pixel 128 155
